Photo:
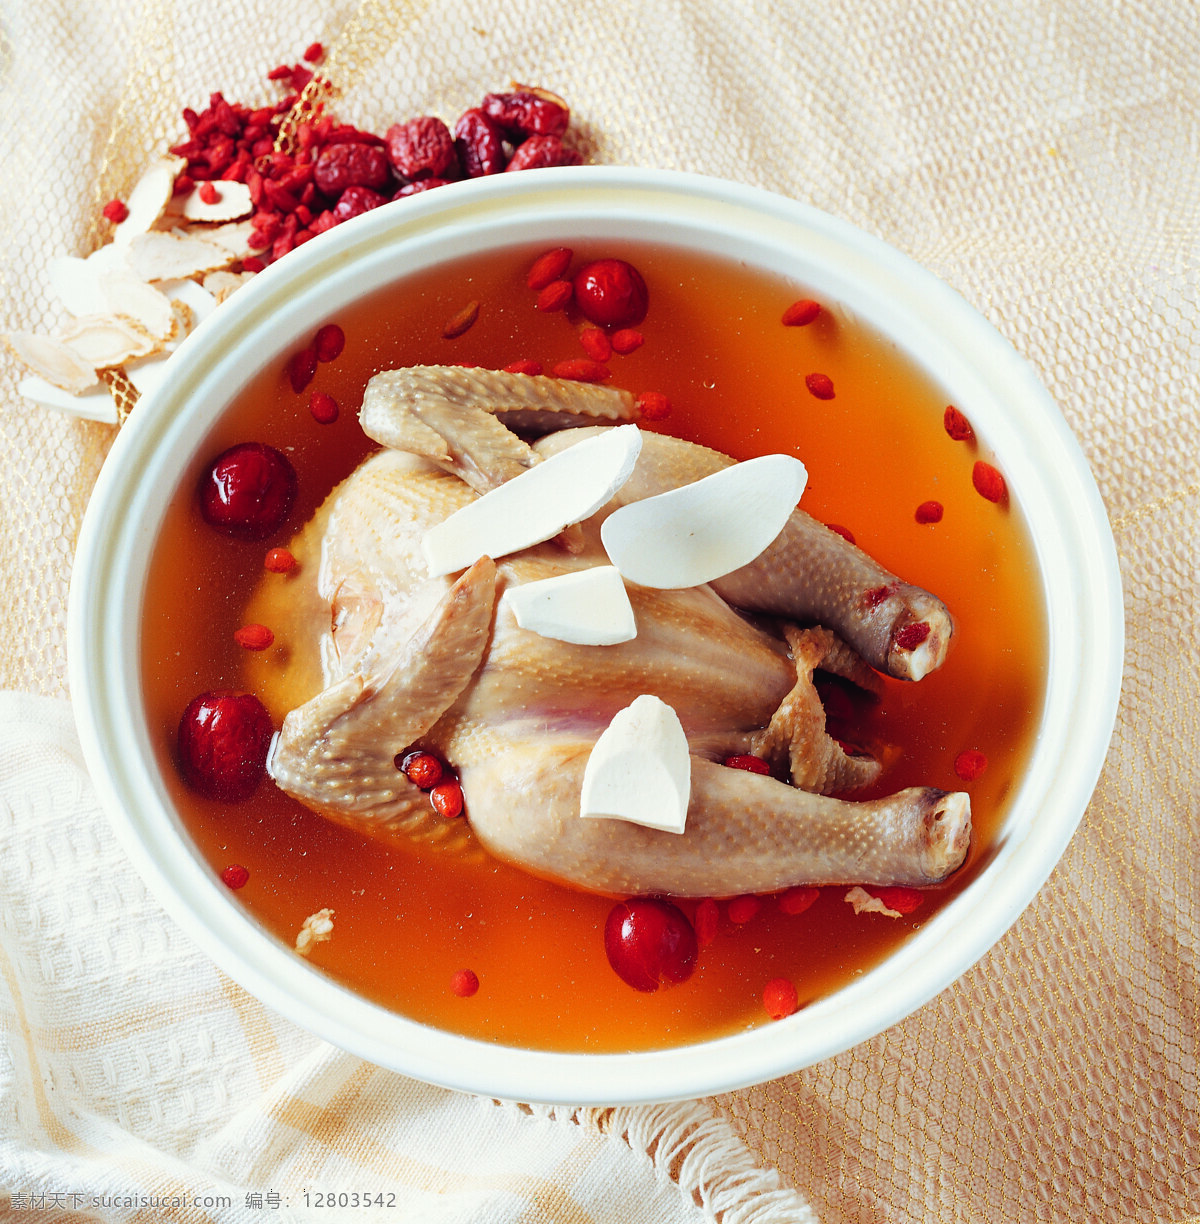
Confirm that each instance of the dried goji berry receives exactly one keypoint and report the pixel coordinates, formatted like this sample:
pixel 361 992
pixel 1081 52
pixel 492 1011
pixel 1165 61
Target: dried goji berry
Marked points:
pixel 549 266
pixel 988 482
pixel 461 321
pixel 329 342
pixel 957 425
pixel 653 406
pixel 532 368
pixel 799 899
pixel 541 152
pixel 422 148
pixel 235 876
pixel 253 637
pixel 527 112
pixel 208 193
pixel 899 897
pixel 313 52
pixel 844 532
pixel 279 561
pixel 555 296
pixel 744 760
pixel 279 198
pixel 820 386
pixel 339 166
pixel 464 983
pixel 970 764
pixel 447 799
pixel 479 144
pixel 929 512
pixel 302 368
pixel 324 407
pixel 705 921
pixel 596 344
pixel 423 769
pixel 780 998
pixel 626 340
pixel 801 313
pixel 287 235
pixel 742 909
pixel 580 369
pixel 115 211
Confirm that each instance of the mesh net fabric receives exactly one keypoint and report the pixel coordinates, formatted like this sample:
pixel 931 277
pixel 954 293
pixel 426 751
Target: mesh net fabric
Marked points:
pixel 1041 159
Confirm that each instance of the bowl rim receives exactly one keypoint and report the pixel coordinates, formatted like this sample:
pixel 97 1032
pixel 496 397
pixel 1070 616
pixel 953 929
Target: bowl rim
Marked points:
pixel 1051 481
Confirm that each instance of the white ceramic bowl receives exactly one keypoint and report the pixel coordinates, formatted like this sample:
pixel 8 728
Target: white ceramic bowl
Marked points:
pixel 1010 411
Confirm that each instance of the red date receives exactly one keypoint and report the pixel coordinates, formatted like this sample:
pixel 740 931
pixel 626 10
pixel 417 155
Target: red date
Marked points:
pixel 539 152
pixel 422 148
pixel 355 201
pixel 527 112
pixel 419 185
pixel 479 144
pixel 341 166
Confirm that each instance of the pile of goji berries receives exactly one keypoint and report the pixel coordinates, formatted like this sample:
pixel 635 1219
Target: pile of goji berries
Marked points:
pixel 336 171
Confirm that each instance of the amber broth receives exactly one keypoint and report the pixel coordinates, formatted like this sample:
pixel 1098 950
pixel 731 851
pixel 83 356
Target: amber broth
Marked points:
pixel 406 921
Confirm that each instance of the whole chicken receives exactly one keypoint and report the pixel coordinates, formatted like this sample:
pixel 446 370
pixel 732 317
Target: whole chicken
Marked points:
pixel 384 657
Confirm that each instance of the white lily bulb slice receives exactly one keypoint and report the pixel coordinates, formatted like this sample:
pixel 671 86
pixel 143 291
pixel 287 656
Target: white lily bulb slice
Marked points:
pixel 640 770
pixel 588 607
pixel 704 530
pixel 563 489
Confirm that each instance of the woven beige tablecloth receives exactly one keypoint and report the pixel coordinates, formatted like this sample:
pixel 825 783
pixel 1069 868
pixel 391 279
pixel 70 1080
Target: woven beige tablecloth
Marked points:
pixel 1043 157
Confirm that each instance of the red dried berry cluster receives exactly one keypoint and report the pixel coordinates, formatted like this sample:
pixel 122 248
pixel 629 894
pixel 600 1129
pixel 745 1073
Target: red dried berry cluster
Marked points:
pixel 338 171
pixel 432 775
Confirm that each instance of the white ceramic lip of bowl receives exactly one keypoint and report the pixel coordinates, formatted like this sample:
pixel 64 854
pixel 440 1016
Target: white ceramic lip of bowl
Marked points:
pixel 1011 412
